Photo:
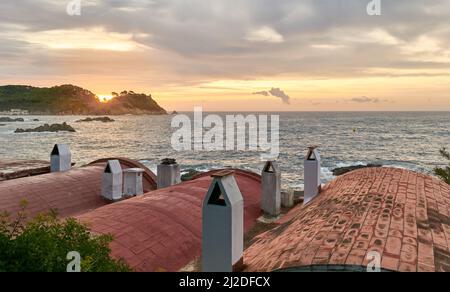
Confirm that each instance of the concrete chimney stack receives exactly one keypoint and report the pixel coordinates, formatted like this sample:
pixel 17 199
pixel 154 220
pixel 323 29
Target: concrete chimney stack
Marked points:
pixel 133 182
pixel 271 189
pixel 168 173
pixel 223 225
pixel 312 173
pixel 60 158
pixel 112 181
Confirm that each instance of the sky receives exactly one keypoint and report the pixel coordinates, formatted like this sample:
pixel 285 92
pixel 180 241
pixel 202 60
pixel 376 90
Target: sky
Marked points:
pixel 236 55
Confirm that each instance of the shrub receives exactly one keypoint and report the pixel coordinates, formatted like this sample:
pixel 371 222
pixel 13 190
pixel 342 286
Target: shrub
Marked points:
pixel 42 245
pixel 444 173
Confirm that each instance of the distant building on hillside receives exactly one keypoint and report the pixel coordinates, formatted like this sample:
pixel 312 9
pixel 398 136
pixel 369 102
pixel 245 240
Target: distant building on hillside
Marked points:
pixel 15 112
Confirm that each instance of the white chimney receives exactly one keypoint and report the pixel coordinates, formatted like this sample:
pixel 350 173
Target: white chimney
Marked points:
pixel 133 182
pixel 60 158
pixel 223 225
pixel 312 174
pixel 287 198
pixel 168 173
pixel 112 181
pixel 271 189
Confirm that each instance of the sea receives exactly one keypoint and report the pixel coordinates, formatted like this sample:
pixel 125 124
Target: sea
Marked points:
pixel 409 140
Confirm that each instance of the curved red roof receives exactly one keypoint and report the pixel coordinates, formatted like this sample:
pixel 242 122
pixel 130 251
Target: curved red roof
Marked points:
pixel 403 215
pixel 162 229
pixel 237 171
pixel 149 178
pixel 70 193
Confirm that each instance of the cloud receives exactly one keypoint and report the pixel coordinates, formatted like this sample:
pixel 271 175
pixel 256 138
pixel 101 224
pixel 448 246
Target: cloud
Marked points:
pixel 82 39
pixel 193 42
pixel 264 34
pixel 264 93
pixel 365 99
pixel 280 93
pixel 276 92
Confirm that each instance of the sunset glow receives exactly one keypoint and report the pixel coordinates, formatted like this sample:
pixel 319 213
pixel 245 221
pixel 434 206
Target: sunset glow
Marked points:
pixel 330 57
pixel 105 98
pixel 240 137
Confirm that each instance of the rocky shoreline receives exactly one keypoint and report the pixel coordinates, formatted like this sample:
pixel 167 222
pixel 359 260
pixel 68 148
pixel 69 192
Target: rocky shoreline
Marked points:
pixel 99 119
pixel 11 120
pixel 343 170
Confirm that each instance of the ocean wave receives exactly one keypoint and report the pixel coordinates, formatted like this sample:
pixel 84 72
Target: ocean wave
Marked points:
pixel 327 174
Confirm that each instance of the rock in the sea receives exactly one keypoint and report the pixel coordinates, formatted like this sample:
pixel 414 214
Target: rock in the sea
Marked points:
pixel 343 170
pixel 174 113
pixel 35 120
pixel 64 127
pixel 189 174
pixel 10 120
pixel 168 161
pixel 100 119
pixel 1 125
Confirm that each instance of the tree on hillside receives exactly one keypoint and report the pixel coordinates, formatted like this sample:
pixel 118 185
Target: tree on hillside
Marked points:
pixel 444 173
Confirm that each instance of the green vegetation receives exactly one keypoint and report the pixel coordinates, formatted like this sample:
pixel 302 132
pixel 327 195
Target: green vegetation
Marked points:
pixel 444 173
pixel 70 99
pixel 136 102
pixel 42 245
pixel 59 99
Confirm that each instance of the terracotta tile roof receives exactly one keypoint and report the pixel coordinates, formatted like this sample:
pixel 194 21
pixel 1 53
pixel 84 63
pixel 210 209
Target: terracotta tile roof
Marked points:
pixel 70 193
pixel 405 216
pixel 162 229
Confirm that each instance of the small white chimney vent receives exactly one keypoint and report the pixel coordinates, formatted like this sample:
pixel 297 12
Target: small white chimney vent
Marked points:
pixel 133 182
pixel 112 181
pixel 168 173
pixel 271 189
pixel 287 198
pixel 223 225
pixel 60 158
pixel 312 172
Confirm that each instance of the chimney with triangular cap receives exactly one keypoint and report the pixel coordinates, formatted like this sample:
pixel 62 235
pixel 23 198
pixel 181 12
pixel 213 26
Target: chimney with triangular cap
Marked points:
pixel 312 173
pixel 271 189
pixel 223 225
pixel 60 158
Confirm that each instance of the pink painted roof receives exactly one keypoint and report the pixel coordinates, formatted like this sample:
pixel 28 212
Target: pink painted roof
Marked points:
pixel 403 215
pixel 162 229
pixel 149 178
pixel 70 193
pixel 12 169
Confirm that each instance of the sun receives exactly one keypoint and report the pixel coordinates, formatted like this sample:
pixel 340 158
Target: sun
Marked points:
pixel 104 98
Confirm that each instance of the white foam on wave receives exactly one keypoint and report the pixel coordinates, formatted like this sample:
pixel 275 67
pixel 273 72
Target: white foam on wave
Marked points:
pixel 150 165
pixel 327 174
pixel 347 164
